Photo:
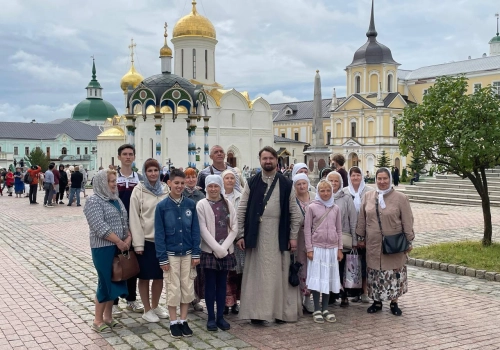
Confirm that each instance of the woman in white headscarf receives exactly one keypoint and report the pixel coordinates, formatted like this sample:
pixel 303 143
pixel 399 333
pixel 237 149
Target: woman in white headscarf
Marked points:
pixel 357 189
pixel 301 168
pixel 387 276
pixel 109 234
pixel 301 185
pixel 143 201
pixel 349 218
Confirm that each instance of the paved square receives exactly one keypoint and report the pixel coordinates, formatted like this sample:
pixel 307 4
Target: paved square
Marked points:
pixel 47 285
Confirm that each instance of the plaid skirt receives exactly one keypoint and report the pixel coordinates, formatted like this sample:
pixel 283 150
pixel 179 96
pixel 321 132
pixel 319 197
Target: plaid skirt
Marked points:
pixel 209 261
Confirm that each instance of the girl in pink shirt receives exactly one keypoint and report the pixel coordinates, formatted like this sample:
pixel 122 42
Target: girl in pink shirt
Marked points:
pixel 323 236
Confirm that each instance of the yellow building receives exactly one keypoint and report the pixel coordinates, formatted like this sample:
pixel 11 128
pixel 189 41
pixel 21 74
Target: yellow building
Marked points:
pixel 361 125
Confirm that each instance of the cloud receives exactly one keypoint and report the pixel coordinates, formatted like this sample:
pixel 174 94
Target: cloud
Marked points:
pixel 277 96
pixel 41 113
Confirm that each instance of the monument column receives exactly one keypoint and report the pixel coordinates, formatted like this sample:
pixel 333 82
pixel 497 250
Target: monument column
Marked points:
pixel 158 118
pixel 205 147
pixel 130 128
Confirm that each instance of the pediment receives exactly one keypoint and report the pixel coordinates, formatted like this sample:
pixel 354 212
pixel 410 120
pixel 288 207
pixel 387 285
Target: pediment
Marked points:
pixel 351 143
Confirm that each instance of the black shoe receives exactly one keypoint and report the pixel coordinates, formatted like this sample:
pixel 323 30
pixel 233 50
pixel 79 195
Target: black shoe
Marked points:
pixel 258 322
pixel 176 330
pixel 212 326
pixel 223 325
pixel 61 202
pixel 186 331
pixel 235 309
pixel 226 310
pixel 278 321
pixel 396 311
pixel 376 306
pixel 36 203
pixel 78 205
pixel 69 205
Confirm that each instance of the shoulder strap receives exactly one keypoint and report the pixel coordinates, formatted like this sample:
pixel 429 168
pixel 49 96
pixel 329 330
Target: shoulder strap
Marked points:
pixel 270 192
pixel 378 216
pixel 211 170
pixel 321 219
pixel 300 207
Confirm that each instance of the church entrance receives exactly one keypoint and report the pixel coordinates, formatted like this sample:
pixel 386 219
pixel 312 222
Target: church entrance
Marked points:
pixel 352 160
pixel 397 163
pixel 231 159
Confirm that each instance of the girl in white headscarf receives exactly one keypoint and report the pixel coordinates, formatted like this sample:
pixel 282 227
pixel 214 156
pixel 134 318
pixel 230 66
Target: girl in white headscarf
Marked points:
pixel 218 228
pixel 323 236
pixel 301 185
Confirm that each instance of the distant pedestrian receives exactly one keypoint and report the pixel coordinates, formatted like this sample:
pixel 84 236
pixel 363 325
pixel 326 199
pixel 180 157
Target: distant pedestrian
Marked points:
pixel 338 162
pixel 415 178
pixel 9 182
pixel 76 185
pixel 48 186
pixel 63 183
pixel 18 183
pixel 395 176
pixel 34 174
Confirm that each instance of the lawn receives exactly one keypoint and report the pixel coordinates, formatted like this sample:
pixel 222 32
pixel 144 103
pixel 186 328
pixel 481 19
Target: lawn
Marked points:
pixel 467 253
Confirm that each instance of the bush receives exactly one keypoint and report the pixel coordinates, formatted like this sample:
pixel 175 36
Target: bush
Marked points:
pixel 404 175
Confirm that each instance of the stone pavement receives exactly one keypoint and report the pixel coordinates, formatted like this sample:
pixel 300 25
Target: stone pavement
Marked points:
pixel 48 283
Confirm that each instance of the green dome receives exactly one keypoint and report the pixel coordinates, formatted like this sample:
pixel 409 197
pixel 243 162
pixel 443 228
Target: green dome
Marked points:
pixel 496 39
pixel 93 109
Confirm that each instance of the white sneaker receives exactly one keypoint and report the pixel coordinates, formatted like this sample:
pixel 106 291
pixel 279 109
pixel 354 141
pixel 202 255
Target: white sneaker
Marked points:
pixel 135 306
pixel 161 312
pixel 150 316
pixel 116 312
pixel 364 298
pixel 308 304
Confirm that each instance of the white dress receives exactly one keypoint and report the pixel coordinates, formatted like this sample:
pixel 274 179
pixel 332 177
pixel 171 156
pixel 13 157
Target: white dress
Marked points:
pixel 323 271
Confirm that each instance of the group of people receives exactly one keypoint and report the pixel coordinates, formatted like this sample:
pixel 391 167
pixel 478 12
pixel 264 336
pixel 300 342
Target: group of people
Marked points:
pixel 212 236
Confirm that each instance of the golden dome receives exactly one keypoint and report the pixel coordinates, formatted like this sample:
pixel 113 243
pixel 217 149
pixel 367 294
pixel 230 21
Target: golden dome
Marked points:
pixel 113 132
pixel 165 50
pixel 132 78
pixel 194 24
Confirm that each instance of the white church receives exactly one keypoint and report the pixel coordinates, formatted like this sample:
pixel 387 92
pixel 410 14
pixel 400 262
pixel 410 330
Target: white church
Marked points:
pixel 178 114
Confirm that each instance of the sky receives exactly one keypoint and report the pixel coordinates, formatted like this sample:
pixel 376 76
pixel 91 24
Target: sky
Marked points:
pixel 269 48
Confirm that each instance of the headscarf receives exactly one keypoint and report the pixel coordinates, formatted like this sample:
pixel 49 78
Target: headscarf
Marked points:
pixel 301 176
pixel 356 195
pixel 223 175
pixel 329 203
pixel 340 191
pixel 297 167
pixel 214 179
pixel 157 189
pixel 382 192
pixel 101 187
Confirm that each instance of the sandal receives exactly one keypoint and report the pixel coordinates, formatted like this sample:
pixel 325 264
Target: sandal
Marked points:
pixel 376 306
pixel 344 303
pixel 103 328
pixel 329 317
pixel 396 311
pixel 114 324
pixel 318 317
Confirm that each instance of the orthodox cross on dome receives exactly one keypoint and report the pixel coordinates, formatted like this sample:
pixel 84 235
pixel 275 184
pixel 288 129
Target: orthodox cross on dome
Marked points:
pixel 372 32
pixel 93 67
pixel 131 47
pixel 165 34
pixel 497 15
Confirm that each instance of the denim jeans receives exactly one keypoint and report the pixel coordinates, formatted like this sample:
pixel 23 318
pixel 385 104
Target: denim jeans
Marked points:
pixel 47 199
pixel 74 192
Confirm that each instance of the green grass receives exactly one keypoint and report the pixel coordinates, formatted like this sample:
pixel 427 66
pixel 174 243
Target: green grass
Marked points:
pixel 468 253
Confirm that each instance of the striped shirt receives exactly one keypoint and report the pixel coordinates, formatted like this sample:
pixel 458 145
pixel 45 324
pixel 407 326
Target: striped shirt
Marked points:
pixel 125 186
pixel 103 219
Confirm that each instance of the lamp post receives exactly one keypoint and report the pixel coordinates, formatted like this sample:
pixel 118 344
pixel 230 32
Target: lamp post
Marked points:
pixel 94 153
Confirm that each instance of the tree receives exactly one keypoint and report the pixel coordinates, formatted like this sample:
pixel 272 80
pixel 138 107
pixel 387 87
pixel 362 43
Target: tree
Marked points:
pixel 383 160
pixel 460 133
pixel 417 163
pixel 37 157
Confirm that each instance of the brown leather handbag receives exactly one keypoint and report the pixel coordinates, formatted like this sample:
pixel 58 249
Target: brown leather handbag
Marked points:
pixel 125 266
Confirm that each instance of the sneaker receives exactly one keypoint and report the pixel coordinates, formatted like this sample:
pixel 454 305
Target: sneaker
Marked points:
pixel 61 202
pixel 135 306
pixel 161 312
pixel 50 206
pixel 150 316
pixel 116 312
pixel 176 330
pixel 365 299
pixel 45 205
pixel 356 299
pixel 186 331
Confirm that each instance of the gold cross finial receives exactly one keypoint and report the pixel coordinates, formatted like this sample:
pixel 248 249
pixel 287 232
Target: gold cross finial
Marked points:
pixel 131 47
pixel 166 27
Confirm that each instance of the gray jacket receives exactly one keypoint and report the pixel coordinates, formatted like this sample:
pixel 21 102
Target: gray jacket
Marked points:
pixel 349 216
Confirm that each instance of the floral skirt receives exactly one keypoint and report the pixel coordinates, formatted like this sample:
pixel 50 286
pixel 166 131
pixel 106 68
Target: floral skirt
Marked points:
pixel 387 284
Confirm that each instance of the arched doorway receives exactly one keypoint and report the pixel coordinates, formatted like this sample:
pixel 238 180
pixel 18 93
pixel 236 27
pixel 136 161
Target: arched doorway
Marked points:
pixel 231 159
pixel 353 160
pixel 370 164
pixel 397 163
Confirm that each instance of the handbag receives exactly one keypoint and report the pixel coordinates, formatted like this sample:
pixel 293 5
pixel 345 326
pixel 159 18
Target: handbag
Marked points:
pixel 293 272
pixel 346 241
pixel 125 266
pixel 352 273
pixel 392 244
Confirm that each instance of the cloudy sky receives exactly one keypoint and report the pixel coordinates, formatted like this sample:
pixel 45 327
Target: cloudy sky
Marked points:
pixel 271 48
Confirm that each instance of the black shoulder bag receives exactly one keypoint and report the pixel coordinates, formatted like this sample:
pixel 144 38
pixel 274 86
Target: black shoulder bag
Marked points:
pixel 393 244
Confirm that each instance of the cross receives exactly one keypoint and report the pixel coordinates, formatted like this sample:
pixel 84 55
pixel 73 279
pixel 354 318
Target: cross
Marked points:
pixel 165 26
pixel 131 47
pixel 93 58
pixel 497 15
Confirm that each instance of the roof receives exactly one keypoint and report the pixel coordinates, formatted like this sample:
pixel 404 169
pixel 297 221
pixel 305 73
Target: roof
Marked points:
pixel 303 111
pixel 49 131
pixel 113 132
pixel 278 139
pixel 160 83
pixel 93 109
pixel 453 68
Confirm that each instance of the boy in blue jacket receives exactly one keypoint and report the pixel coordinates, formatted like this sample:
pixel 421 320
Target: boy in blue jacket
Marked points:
pixel 177 240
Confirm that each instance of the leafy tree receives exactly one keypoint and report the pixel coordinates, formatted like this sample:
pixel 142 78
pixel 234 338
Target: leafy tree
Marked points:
pixel 38 157
pixel 417 163
pixel 383 160
pixel 460 133
pixel 404 176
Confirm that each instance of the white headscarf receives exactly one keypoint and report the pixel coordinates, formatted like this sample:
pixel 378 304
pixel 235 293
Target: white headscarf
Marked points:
pixel 357 195
pixel 297 167
pixel 329 203
pixel 101 187
pixel 382 192
pixel 214 179
pixel 301 176
pixel 340 191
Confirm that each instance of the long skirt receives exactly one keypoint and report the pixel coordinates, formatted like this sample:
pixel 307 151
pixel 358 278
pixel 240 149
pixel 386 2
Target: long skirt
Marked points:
pixel 323 271
pixel 387 284
pixel 107 290
pixel 233 288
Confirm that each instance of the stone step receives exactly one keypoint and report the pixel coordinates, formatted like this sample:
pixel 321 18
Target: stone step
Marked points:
pixel 451 195
pixel 449 201
pixel 492 180
pixel 452 186
pixel 451 189
pixel 456 177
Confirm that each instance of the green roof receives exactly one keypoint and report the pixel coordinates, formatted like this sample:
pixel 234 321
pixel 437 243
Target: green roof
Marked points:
pixel 94 109
pixel 495 39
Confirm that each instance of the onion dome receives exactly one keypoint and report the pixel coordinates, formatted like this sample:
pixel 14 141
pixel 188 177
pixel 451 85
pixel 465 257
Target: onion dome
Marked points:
pixel 132 78
pixel 194 24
